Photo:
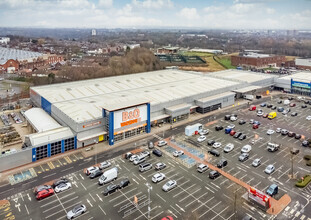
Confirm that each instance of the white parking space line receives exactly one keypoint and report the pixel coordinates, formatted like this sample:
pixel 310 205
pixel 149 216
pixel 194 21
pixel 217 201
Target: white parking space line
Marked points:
pixel 175 210
pixel 183 190
pixel 190 194
pixel 202 204
pixel 196 177
pixel 82 185
pixel 60 203
pixel 122 194
pixel 49 216
pixel 209 189
pixel 210 209
pixel 218 214
pixel 69 194
pixel 198 200
pixel 26 209
pixel 160 197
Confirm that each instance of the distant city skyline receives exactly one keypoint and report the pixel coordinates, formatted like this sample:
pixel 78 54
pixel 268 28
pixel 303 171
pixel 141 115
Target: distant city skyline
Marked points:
pixel 208 14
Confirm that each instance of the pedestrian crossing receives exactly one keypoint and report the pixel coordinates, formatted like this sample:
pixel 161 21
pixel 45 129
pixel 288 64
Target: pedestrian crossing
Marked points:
pixel 158 137
pixel 295 212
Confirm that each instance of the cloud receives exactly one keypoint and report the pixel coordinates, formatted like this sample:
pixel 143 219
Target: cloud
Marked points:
pixel 105 3
pixel 153 4
pixel 134 21
pixel 125 11
pixel 270 11
pixel 243 8
pixel 212 9
pixel 189 13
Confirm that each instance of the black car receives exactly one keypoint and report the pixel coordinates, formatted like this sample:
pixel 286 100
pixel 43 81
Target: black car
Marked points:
pixel 294 114
pixel 269 105
pixel 298 136
pixel 290 98
pixel 219 127
pixel 59 181
pixel 214 174
pixel 210 142
pixel 242 122
pixel 227 117
pixel 41 188
pixel 214 152
pixel 95 174
pixel 280 109
pixel 123 183
pixel 157 152
pixel 222 163
pixel 242 137
pixel 110 189
pixel 305 143
pixel 303 106
pixel 280 102
pixel 237 135
pixel 273 107
pixel 307 102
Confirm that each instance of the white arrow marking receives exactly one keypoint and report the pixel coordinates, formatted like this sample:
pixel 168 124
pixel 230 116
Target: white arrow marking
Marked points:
pixel 18 206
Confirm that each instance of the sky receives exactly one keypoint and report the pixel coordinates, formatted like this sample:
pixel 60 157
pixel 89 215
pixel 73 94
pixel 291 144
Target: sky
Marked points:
pixel 206 14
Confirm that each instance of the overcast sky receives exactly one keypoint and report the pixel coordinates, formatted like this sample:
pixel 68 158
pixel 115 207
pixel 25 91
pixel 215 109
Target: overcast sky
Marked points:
pixel 210 14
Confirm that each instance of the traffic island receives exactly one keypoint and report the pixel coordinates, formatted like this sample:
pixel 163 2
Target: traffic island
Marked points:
pixel 304 181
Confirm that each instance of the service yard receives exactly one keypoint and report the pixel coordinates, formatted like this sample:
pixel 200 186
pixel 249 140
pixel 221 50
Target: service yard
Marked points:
pixel 196 195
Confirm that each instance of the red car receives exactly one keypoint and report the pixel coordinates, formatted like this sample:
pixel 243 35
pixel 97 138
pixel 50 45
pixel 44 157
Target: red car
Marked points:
pixel 167 218
pixel 265 115
pixel 232 132
pixel 252 108
pixel 292 104
pixel 255 126
pixel 44 193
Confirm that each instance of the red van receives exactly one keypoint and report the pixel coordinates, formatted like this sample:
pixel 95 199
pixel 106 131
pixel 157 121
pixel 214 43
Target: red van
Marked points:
pixel 252 107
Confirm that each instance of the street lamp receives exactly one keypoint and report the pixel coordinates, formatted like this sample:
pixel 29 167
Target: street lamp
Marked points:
pixel 149 189
pixel 95 142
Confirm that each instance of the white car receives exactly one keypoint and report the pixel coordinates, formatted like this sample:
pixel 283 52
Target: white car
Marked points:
pixel 202 167
pixel 278 130
pixel 231 126
pixel 201 138
pixel 270 168
pixel 229 147
pixel 104 165
pixel 178 153
pixel 216 145
pixel 204 132
pixel 308 117
pixel 162 143
pixel 256 162
pixel 233 118
pixel 160 166
pixel 144 154
pixel 260 113
pixel 246 149
pixel 270 131
pixel 61 187
pixel 169 185
pixel 158 177
pixel 91 170
pixel 133 157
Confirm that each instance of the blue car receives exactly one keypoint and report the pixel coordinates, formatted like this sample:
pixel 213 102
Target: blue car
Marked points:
pixel 257 123
pixel 263 104
pixel 228 130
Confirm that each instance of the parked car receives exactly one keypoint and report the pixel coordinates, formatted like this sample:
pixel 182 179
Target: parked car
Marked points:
pixel 76 211
pixel 278 130
pixel 178 153
pixel 243 157
pixel 157 152
pixel 269 105
pixel 308 117
pixel 238 134
pixel 104 165
pixel 216 145
pixel 201 168
pixel 214 174
pixel 242 137
pixel 280 109
pixel 204 132
pixel 284 132
pixel 233 118
pixel 273 107
pixel 95 174
pixel 167 218
pixel 91 170
pixel 144 154
pixel 139 160
pixel 231 126
pixel 227 117
pixel 62 187
pixel 260 113
pixel 294 114
pixel 222 163
pixel 256 162
pixel 145 166
pixel 272 190
pixel 229 147
pixel 210 142
pixel 162 143
pixel 169 185
pixel 242 122
pixel 110 189
pixel 201 138
pixel 219 127
pixel 269 169
pixel 270 131
pixel 232 132
pixel 44 193
pixel 263 104
pixel 160 166
pixel 41 188
pixel 291 134
pixel 305 143
pixel 303 106
pixel 279 102
pixel 298 136
pixel 257 123
pixel 265 115
pixel 251 121
pixel 133 157
pixel 128 155
pixel 124 183
pixel 294 151
pixel 246 149
pixel 255 126
pixel 59 181
pixel 214 152
pixel 158 177
pixel 292 105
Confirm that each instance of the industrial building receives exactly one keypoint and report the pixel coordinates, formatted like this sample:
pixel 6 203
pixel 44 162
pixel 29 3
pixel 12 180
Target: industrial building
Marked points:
pixel 72 115
pixel 251 59
pixel 303 63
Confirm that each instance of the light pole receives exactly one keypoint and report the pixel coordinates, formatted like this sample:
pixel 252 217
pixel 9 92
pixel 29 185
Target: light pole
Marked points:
pixel 149 189
pixel 95 142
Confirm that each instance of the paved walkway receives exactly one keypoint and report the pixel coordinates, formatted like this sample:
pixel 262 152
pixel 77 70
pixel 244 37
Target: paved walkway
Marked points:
pixel 276 205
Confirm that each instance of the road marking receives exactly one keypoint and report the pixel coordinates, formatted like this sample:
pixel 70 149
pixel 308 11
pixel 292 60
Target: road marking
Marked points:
pixel 180 208
pixel 83 186
pixel 302 217
pixel 160 197
pixel 287 208
pixel 209 189
pixel 218 214
pixel 122 194
pixel 48 175
pixel 92 197
pixel 135 181
pixel 102 209
pixel 89 202
pixel 66 169
pixel 60 203
pixel 28 197
pixel 197 200
pixel 190 194
pixel 196 177
pixel 297 214
pixel 18 206
pixel 26 209
pixel 292 211
pixel 99 197
pixel 210 209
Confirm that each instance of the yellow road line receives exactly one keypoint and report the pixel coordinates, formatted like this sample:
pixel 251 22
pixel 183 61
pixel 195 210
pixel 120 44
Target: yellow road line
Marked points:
pixel 42 168
pixel 49 164
pixel 68 159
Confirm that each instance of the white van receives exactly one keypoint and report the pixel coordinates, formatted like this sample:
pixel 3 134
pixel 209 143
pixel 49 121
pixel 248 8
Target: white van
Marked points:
pixel 108 176
pixel 286 102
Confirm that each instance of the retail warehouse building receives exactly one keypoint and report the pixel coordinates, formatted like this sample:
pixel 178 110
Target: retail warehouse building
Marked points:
pixel 77 114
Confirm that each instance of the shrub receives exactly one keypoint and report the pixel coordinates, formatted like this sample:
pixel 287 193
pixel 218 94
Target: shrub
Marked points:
pixel 307 157
pixel 303 181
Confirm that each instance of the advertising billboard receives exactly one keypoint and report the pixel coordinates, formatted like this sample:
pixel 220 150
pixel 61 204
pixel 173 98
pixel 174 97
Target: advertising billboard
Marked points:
pixel 130 116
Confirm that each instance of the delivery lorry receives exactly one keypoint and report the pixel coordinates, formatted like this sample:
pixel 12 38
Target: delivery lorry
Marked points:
pixel 108 176
pixel 193 129
pixel 271 147
pixel 248 97
pixel 272 115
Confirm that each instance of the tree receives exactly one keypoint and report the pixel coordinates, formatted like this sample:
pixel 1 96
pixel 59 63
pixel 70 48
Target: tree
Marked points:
pixel 51 78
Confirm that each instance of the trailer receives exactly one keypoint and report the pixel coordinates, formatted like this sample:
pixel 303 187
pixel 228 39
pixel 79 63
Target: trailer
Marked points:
pixel 193 129
pixel 248 97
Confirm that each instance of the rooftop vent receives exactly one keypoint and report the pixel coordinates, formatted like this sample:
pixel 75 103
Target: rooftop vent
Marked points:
pixel 92 101
pixel 96 85
pixel 68 89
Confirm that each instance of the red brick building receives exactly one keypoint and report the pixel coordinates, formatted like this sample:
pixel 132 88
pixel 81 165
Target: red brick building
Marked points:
pixel 12 65
pixel 257 60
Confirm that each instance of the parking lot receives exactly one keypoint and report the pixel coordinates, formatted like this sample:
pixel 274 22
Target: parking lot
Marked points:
pixel 196 195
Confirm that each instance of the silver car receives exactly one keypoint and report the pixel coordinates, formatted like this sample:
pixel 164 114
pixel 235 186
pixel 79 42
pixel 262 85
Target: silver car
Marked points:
pixel 61 187
pixel 76 211
pixel 161 143
pixel 104 165
pixel 158 177
pixel 269 169
pixel 169 185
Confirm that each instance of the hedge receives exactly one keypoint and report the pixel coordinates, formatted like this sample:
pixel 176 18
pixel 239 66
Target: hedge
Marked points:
pixel 307 157
pixel 304 182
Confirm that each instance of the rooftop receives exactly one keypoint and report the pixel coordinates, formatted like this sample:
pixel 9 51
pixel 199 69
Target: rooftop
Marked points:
pixel 303 76
pixel 9 53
